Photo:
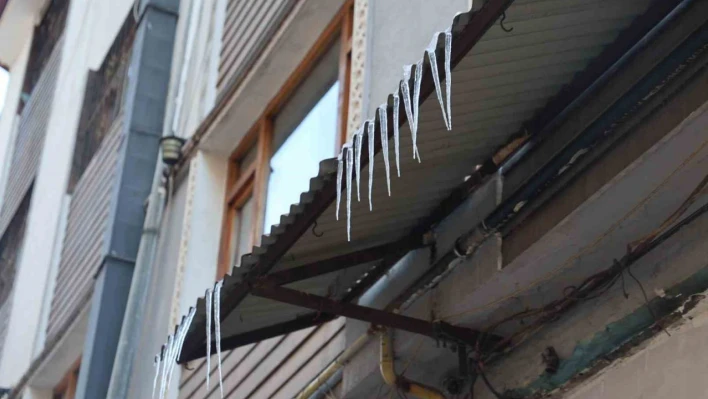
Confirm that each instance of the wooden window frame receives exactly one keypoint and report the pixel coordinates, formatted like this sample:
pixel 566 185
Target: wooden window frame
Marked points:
pixel 252 182
pixel 67 385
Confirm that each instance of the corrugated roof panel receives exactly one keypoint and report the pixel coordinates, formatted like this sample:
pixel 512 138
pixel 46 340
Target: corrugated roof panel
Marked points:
pixel 501 83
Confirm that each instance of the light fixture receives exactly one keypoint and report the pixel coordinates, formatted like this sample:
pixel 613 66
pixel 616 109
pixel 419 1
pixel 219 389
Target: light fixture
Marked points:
pixel 171 147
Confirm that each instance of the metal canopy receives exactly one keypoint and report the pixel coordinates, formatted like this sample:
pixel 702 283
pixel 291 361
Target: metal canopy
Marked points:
pixel 503 83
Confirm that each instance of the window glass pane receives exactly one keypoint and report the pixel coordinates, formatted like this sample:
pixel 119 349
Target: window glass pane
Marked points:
pixel 248 159
pixel 241 232
pixel 298 159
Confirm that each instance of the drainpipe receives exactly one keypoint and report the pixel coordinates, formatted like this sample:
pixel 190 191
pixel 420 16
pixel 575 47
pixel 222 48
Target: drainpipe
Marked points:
pixel 131 327
pixel 139 290
pixel 388 372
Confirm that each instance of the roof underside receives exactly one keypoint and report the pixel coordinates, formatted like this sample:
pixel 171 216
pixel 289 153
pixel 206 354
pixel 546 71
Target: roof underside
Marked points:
pixel 501 83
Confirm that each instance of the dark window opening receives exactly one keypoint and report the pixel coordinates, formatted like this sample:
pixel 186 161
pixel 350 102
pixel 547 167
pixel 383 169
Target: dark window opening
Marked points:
pixel 103 100
pixel 10 247
pixel 46 36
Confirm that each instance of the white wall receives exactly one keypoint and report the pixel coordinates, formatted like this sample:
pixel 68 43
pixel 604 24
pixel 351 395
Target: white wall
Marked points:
pixel 89 32
pixel 398 34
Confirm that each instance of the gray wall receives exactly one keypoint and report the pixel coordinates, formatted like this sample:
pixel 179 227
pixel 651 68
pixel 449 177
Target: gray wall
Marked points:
pixel 159 304
pixel 398 35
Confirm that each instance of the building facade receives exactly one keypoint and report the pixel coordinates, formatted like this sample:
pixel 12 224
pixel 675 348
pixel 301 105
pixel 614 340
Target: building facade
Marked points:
pixel 489 199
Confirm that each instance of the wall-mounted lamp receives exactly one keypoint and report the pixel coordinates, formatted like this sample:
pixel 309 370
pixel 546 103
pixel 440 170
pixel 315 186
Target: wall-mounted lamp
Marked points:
pixel 171 147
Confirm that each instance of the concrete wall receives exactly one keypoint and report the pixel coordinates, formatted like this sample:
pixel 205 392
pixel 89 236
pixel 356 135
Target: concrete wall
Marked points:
pixel 82 46
pixel 397 35
pixel 157 314
pixel 665 367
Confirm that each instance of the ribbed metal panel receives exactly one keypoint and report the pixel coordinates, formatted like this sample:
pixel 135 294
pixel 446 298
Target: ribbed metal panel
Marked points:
pixel 30 138
pixel 501 83
pixel 85 236
pixel 247 28
pixel 4 321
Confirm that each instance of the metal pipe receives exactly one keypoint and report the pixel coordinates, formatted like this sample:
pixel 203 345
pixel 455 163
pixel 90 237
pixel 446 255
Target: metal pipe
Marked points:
pixel 336 365
pixel 388 372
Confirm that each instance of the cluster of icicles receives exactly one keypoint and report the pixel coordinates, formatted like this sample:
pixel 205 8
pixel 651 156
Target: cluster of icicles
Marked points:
pixel 351 152
pixel 166 360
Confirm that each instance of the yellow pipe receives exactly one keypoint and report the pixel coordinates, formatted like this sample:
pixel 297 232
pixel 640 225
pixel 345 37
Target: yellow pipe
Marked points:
pixel 388 372
pixel 333 367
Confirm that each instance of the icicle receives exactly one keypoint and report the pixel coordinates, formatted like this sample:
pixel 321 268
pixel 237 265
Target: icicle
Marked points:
pixel 165 365
pixel 207 305
pixel 416 100
pixel 157 371
pixel 185 330
pixel 448 76
pixel 181 335
pixel 339 181
pixel 173 355
pixel 359 136
pixel 370 138
pixel 406 91
pixel 436 75
pixel 396 132
pixel 217 330
pixel 383 119
pixel 350 164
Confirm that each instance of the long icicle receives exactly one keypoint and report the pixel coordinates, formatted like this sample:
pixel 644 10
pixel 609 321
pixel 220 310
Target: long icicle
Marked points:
pixel 436 76
pixel 207 305
pixel 448 76
pixel 370 137
pixel 181 335
pixel 217 330
pixel 396 132
pixel 350 164
pixel 383 121
pixel 185 330
pixel 173 356
pixel 339 180
pixel 157 370
pixel 165 363
pixel 358 142
pixel 416 103
pixel 406 91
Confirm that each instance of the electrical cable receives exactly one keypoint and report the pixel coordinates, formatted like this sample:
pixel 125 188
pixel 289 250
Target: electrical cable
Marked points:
pixel 563 266
pixel 646 300
pixel 487 383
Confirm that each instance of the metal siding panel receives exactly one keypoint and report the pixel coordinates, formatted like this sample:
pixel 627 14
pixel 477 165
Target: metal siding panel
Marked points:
pixel 82 252
pixel 246 32
pixel 30 138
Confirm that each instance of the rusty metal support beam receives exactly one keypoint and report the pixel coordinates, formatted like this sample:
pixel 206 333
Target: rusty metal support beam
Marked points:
pixel 363 313
pixel 340 262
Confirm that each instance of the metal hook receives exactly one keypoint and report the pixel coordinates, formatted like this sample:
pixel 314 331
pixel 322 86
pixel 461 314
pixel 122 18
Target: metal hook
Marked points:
pixel 501 23
pixel 314 226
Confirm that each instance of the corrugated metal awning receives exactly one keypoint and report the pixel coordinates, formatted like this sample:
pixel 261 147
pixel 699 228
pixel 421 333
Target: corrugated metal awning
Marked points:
pixel 501 81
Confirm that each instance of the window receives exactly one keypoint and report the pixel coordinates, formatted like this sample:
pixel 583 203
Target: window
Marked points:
pixel 304 124
pixel 67 387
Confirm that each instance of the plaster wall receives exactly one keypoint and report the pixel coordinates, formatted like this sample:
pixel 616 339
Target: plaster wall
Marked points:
pixel 398 33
